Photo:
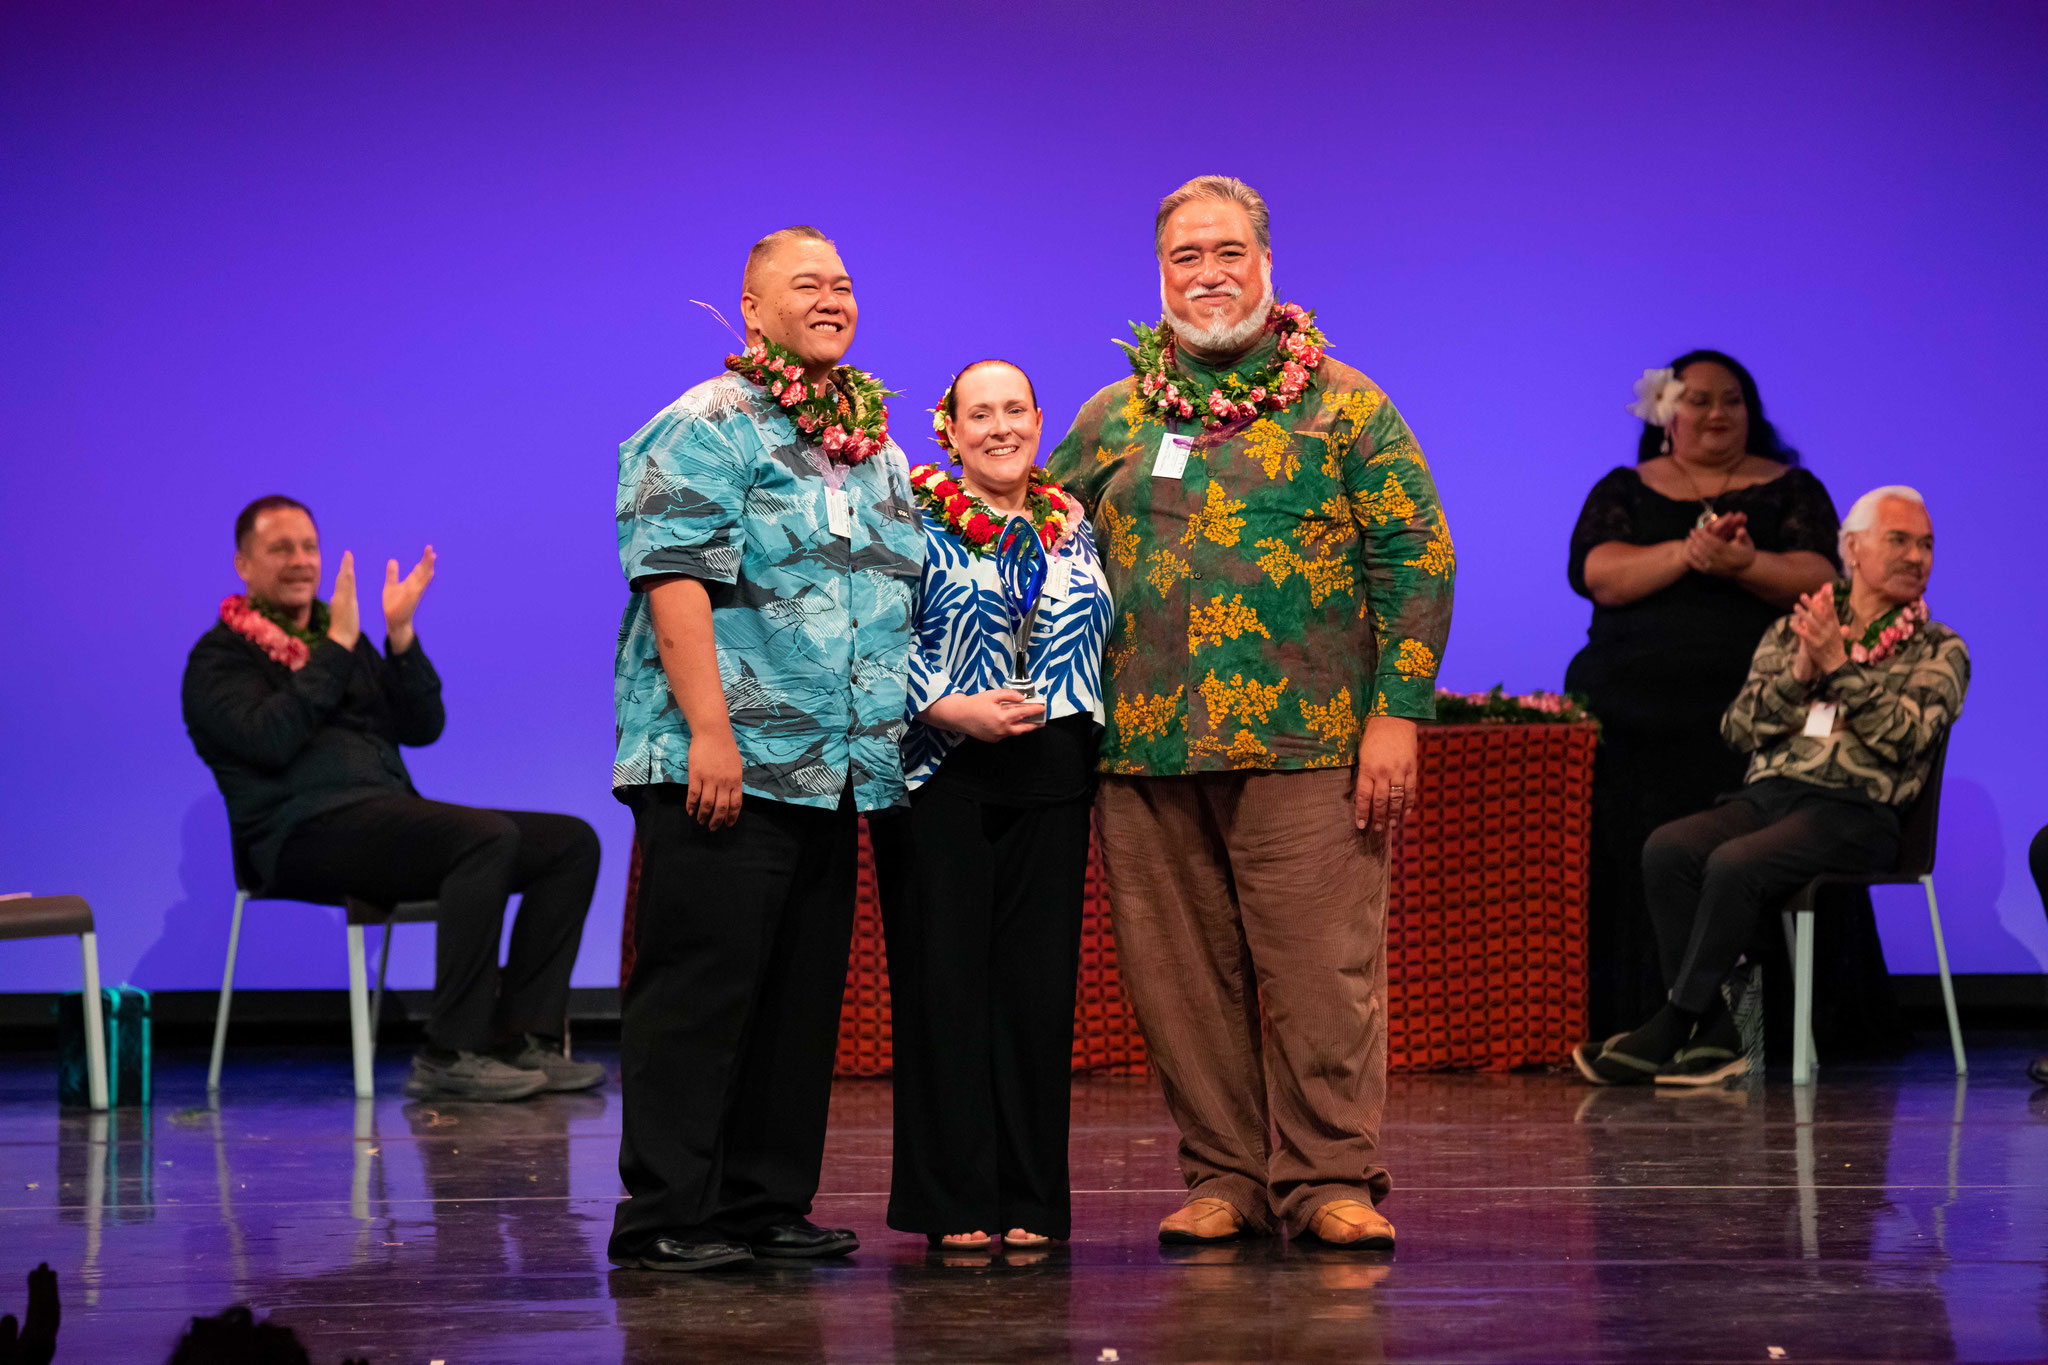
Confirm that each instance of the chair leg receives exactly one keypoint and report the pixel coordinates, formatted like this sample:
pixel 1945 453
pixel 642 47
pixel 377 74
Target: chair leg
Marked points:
pixel 1948 985
pixel 227 991
pixel 95 1025
pixel 359 1013
pixel 1802 999
pixel 377 1000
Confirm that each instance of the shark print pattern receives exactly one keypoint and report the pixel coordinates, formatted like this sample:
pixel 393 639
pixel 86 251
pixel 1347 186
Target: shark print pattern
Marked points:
pixel 813 628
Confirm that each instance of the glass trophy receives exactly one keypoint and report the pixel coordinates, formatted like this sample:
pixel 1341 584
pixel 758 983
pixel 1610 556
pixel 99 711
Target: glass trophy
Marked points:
pixel 1020 569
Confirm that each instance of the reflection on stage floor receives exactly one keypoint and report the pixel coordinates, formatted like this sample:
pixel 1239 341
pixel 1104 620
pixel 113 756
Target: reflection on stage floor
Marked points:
pixel 1889 1212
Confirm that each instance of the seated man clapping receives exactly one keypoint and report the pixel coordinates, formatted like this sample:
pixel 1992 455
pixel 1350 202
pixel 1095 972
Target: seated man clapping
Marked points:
pixel 1846 700
pixel 300 718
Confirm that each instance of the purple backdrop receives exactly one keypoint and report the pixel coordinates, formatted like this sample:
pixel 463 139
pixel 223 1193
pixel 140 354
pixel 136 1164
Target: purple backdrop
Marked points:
pixel 424 265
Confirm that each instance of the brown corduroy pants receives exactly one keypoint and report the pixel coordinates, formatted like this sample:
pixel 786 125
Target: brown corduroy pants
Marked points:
pixel 1226 889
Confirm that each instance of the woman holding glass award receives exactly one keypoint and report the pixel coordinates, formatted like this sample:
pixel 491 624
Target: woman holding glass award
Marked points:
pixel 981 879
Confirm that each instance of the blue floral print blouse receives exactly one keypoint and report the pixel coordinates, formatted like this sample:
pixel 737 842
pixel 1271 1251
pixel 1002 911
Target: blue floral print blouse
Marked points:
pixel 966 644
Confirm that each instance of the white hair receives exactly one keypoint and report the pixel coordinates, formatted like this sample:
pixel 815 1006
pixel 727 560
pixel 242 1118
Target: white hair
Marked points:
pixel 1863 514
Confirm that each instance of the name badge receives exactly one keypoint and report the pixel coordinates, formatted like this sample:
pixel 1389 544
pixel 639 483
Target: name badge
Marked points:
pixel 839 512
pixel 1059 580
pixel 1172 460
pixel 1820 719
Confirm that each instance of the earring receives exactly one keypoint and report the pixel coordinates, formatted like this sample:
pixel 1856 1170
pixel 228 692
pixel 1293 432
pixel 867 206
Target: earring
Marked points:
pixel 1667 440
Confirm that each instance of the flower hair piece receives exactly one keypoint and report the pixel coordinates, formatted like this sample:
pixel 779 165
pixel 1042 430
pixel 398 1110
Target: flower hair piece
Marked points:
pixel 939 422
pixel 1657 394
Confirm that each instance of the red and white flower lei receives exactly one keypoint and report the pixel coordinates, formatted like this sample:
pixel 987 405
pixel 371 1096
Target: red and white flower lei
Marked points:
pixel 266 634
pixel 849 431
pixel 1276 387
pixel 975 524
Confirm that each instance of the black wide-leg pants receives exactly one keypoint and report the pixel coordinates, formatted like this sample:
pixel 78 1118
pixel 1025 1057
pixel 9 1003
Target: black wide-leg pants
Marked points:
pixel 405 848
pixel 982 907
pixel 730 1023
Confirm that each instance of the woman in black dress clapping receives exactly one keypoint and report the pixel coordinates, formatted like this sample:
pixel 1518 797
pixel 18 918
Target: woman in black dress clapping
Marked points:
pixel 1687 555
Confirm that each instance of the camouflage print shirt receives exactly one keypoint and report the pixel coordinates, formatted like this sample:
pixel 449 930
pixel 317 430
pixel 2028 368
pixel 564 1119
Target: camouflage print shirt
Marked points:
pixel 1888 717
pixel 812 625
pixel 1294 580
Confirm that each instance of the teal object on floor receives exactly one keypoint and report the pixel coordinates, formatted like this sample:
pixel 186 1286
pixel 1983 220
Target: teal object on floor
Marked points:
pixel 125 1012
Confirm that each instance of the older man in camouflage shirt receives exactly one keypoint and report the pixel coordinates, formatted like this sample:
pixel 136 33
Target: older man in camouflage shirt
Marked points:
pixel 1283 573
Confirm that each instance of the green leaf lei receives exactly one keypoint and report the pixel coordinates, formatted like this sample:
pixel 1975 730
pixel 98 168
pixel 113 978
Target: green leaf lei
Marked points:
pixel 312 633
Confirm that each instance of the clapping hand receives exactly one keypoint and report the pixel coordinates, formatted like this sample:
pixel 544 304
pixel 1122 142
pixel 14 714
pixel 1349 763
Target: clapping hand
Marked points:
pixel 402 599
pixel 1722 547
pixel 1820 635
pixel 34 1340
pixel 344 623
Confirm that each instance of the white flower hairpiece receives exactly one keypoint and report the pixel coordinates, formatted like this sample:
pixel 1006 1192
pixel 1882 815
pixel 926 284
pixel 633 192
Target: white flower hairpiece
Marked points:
pixel 1657 396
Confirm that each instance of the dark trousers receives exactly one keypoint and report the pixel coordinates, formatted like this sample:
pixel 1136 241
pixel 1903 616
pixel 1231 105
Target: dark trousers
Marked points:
pixel 730 1023
pixel 471 860
pixel 1711 877
pixel 982 907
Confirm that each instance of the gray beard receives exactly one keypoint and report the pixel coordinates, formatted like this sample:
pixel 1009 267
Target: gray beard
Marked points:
pixel 1221 339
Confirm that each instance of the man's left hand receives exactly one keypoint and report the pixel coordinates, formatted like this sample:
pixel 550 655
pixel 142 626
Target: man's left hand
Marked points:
pixel 1386 774
pixel 402 599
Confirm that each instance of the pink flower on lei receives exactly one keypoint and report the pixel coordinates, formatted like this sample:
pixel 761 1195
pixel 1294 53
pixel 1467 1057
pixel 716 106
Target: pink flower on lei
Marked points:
pixel 253 626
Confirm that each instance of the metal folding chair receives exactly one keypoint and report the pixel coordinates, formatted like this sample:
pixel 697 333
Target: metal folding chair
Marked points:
pixel 363 1012
pixel 1918 825
pixel 55 917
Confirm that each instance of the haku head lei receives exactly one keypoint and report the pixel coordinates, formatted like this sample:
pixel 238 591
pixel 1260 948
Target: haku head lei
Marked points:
pixel 846 415
pixel 1274 387
pixel 1656 400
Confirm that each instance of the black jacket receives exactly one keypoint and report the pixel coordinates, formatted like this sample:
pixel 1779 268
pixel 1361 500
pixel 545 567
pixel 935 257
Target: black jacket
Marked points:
pixel 286 746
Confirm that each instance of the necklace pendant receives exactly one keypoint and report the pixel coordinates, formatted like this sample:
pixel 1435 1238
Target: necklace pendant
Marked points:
pixel 1706 518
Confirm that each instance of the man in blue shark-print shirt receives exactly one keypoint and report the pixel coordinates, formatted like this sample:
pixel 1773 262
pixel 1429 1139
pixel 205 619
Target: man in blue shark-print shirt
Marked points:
pixel 759 688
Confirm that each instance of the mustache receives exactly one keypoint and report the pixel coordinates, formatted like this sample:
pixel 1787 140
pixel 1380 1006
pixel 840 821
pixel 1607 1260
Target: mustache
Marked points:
pixel 1222 291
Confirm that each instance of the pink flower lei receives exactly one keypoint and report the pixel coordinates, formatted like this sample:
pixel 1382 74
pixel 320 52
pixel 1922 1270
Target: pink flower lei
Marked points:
pixel 1275 387
pixel 1881 638
pixel 847 417
pixel 267 635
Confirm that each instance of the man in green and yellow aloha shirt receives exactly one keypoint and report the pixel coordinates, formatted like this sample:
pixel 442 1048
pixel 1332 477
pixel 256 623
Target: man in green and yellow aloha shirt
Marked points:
pixel 1283 577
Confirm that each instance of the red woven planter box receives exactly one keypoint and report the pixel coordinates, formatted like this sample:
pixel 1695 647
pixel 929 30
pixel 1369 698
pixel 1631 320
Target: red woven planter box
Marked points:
pixel 1486 926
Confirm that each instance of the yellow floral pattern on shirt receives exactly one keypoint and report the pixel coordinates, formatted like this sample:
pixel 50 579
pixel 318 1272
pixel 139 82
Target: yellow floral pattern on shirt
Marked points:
pixel 1167 569
pixel 1329 524
pixel 1245 751
pixel 1416 660
pixel 1123 535
pixel 1247 701
pixel 1218 519
pixel 1221 620
pixel 1145 716
pixel 1335 723
pixel 1391 503
pixel 1326 573
pixel 1269 443
pixel 1135 413
pixel 1437 557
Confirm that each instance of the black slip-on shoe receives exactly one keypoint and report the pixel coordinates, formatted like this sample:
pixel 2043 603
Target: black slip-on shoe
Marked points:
pixel 470 1076
pixel 1604 1066
pixel 564 1074
pixel 685 1255
pixel 801 1239
pixel 2037 1070
pixel 1702 1066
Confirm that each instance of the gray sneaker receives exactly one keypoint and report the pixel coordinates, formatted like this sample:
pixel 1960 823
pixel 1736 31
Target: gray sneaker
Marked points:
pixel 471 1076
pixel 543 1055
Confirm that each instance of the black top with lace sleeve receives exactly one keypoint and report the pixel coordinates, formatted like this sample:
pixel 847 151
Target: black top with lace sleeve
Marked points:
pixel 1675 659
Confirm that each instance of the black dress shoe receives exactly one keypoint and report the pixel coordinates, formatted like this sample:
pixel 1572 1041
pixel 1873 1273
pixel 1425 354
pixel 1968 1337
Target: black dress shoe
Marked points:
pixel 675 1253
pixel 2037 1070
pixel 800 1238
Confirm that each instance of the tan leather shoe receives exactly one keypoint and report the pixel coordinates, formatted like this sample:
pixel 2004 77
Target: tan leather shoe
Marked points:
pixel 1202 1220
pixel 1352 1225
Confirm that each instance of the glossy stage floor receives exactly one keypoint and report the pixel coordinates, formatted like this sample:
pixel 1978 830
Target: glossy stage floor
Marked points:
pixel 1889 1213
